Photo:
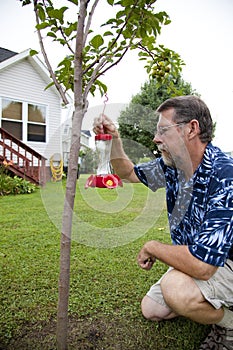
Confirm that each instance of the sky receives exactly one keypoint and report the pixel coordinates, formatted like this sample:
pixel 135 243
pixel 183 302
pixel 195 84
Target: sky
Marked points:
pixel 201 31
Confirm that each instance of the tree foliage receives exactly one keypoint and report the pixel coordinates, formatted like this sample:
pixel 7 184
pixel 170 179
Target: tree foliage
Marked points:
pixel 135 25
pixel 137 123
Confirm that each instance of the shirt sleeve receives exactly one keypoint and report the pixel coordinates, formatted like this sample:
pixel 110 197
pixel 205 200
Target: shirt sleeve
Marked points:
pixel 151 174
pixel 215 238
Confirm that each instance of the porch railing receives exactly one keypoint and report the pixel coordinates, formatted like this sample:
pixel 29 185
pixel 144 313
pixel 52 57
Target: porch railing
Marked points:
pixel 22 160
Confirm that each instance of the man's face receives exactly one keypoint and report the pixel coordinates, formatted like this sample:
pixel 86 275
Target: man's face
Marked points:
pixel 170 139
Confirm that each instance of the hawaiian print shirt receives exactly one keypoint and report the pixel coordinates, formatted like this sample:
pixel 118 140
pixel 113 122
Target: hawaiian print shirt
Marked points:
pixel 200 211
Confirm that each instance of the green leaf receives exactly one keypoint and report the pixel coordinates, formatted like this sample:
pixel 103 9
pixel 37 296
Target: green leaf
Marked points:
pixel 110 2
pixel 127 3
pixel 49 85
pixel 70 29
pixel 62 41
pixel 33 52
pixel 102 87
pixel 57 13
pixel 97 41
pixel 74 1
pixel 54 29
pixel 41 13
pixel 143 54
pixel 120 14
pixel 42 25
pixel 25 2
pixel 127 34
pixel 108 33
pixel 51 34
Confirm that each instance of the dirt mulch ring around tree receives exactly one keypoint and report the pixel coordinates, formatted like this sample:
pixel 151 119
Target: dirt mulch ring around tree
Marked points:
pixel 90 334
pixel 109 333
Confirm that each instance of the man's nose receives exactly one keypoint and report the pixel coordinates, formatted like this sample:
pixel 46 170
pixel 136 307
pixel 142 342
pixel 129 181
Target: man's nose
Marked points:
pixel 157 138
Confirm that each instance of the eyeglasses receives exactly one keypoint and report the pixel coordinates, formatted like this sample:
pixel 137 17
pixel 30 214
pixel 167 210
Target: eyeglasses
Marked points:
pixel 162 129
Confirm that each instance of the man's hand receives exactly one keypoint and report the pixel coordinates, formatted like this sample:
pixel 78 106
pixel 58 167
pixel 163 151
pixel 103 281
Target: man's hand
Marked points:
pixel 177 256
pixel 145 261
pixel 104 125
pixel 121 164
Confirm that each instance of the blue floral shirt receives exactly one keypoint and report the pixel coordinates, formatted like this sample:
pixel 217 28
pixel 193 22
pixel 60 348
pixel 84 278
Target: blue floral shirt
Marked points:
pixel 200 211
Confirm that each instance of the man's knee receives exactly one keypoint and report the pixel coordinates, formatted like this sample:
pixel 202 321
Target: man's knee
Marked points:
pixel 153 311
pixel 179 291
pixel 148 309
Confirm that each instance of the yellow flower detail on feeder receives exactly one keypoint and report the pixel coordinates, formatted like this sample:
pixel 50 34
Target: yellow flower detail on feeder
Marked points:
pixel 109 182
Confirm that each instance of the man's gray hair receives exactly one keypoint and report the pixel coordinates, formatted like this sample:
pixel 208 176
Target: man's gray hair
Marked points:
pixel 191 107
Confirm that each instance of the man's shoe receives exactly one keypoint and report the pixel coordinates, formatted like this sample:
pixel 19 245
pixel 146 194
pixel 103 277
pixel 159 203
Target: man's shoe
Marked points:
pixel 219 338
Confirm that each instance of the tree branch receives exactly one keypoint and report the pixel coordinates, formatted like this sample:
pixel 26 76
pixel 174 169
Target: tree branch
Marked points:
pixel 64 37
pixel 143 48
pixel 96 75
pixel 103 55
pixel 56 83
pixel 78 73
pixel 115 63
pixel 89 22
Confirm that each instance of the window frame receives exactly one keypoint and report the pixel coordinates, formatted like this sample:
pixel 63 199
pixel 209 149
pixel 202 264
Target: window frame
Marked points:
pixel 25 119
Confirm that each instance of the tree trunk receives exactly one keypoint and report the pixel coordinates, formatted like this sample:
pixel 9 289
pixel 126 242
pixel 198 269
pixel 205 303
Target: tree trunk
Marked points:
pixel 80 104
pixel 64 277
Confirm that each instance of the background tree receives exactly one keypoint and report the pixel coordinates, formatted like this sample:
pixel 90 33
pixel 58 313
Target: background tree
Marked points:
pixel 89 162
pixel 132 25
pixel 137 122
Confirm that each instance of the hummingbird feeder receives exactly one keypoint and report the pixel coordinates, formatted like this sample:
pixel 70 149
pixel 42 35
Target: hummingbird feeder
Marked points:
pixel 103 178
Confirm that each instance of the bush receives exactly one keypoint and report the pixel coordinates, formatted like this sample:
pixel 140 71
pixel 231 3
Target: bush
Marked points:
pixel 14 185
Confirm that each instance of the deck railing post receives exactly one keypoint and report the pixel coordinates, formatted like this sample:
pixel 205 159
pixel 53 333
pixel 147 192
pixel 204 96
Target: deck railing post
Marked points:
pixel 30 164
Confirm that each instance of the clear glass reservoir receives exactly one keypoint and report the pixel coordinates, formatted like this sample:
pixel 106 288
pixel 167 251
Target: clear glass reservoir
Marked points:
pixel 103 144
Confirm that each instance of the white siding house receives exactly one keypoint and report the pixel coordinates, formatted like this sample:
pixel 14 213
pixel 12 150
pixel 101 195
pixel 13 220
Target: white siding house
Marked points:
pixel 28 110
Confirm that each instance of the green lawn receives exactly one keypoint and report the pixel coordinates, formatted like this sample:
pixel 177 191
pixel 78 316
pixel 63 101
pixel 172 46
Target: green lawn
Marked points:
pixel 106 286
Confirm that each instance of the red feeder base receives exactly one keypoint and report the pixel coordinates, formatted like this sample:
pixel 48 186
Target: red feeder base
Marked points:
pixel 104 181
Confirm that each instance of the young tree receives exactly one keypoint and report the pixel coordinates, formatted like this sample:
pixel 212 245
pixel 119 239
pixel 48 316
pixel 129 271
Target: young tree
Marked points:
pixel 132 25
pixel 137 122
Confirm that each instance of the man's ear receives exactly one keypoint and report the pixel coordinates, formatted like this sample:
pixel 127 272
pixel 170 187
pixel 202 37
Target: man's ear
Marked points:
pixel 194 128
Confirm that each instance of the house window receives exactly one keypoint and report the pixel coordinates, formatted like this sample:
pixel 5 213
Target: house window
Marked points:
pixel 36 130
pixel 12 117
pixel 25 121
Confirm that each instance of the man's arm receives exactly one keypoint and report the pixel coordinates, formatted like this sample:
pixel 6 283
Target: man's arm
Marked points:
pixel 121 164
pixel 177 256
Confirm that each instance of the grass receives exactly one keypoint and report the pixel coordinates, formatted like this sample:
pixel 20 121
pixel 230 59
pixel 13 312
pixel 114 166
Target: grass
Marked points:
pixel 106 286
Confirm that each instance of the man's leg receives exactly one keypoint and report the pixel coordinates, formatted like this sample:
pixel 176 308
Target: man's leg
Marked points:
pixel 183 296
pixel 154 311
pixel 153 305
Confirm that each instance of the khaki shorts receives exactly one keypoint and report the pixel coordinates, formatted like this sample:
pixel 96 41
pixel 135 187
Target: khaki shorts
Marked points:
pixel 218 290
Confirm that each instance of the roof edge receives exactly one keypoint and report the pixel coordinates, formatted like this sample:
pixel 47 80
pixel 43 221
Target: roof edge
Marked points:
pixel 34 60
